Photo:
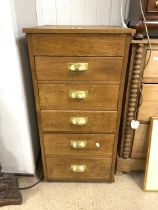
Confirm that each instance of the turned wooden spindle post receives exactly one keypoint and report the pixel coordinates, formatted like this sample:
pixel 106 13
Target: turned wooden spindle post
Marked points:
pixel 133 99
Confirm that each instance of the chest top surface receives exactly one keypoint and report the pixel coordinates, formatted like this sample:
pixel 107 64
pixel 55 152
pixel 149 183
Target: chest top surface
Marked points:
pixel 78 29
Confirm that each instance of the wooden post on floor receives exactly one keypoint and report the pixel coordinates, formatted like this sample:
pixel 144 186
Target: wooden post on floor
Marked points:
pixel 9 193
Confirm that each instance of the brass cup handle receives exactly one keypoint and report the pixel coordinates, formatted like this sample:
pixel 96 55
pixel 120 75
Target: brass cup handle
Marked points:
pixel 78 94
pixel 156 4
pixel 78 168
pixel 79 120
pixel 78 144
pixel 79 67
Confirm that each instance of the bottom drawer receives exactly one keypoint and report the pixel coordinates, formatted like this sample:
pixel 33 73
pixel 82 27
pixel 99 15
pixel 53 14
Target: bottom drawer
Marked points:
pixel 69 168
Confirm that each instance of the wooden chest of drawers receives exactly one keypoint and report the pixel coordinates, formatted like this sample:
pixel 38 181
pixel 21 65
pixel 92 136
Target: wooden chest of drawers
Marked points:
pixel 78 76
pixel 133 147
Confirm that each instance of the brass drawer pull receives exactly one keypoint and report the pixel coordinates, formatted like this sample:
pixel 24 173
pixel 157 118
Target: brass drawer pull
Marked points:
pixel 78 168
pixel 79 120
pixel 156 4
pixel 77 66
pixel 78 94
pixel 79 144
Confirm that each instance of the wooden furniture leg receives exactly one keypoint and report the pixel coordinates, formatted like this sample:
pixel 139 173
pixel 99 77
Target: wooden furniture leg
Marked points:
pixel 9 193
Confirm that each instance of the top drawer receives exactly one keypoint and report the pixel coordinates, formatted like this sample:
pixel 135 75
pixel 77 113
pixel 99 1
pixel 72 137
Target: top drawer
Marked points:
pixel 78 44
pixel 152 6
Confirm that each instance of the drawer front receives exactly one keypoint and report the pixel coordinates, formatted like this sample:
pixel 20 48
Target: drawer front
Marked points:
pixel 149 107
pixel 150 92
pixel 98 68
pixel 79 121
pixel 148 110
pixel 79 144
pixel 151 72
pixel 152 6
pixel 91 97
pixel 76 168
pixel 78 44
pixel 140 142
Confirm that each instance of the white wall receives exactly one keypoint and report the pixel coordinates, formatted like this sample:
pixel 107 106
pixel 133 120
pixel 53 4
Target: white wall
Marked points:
pixel 81 12
pixel 25 12
pixel 16 138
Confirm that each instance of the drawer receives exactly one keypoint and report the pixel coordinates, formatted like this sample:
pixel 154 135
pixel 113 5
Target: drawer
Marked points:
pixel 79 144
pixel 98 68
pixel 78 44
pixel 77 168
pixel 140 142
pixel 79 121
pixel 151 72
pixel 152 6
pixel 91 97
pixel 149 107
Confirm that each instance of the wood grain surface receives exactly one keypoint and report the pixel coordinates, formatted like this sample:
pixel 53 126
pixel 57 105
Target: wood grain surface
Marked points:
pixel 100 97
pixel 130 164
pixel 78 45
pixel 99 68
pixel 140 142
pixel 97 144
pixel 60 168
pixel 151 72
pixel 78 29
pixel 149 107
pixel 98 121
pixel 151 7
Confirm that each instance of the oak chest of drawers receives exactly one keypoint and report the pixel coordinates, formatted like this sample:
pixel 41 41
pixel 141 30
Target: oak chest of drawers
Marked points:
pixel 78 76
